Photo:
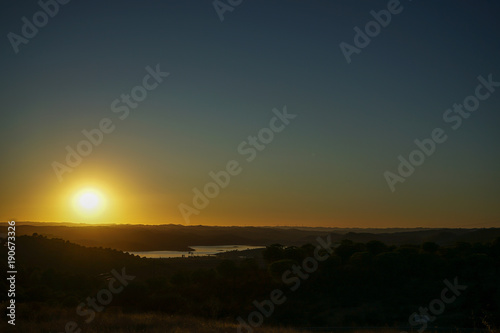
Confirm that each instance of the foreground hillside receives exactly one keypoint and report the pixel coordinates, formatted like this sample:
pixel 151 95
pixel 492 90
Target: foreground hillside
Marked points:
pixel 354 284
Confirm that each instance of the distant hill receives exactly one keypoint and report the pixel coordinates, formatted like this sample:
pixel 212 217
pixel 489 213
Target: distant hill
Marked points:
pixel 177 237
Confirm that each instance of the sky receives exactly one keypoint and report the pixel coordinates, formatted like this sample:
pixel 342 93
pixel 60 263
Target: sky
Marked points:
pixel 336 108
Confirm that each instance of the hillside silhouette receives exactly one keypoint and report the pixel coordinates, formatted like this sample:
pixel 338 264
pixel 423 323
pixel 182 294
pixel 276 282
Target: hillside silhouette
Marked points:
pixel 360 284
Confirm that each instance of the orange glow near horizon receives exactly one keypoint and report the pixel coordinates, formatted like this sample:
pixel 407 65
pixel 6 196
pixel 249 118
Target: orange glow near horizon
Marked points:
pixel 113 194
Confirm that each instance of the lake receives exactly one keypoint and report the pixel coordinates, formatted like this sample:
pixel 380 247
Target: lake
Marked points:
pixel 198 251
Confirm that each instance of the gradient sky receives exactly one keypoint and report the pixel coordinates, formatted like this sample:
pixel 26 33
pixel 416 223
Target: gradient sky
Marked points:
pixel 325 169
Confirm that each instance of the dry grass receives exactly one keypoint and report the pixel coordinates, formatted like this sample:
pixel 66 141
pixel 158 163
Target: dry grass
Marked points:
pixel 45 319
pixel 51 320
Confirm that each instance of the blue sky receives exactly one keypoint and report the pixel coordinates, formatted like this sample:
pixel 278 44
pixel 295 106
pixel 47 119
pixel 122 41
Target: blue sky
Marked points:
pixel 326 168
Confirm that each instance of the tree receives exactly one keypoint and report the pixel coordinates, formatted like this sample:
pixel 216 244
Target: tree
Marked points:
pixel 430 247
pixel 273 252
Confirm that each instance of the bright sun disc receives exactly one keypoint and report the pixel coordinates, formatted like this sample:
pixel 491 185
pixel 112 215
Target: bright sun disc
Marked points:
pixel 89 201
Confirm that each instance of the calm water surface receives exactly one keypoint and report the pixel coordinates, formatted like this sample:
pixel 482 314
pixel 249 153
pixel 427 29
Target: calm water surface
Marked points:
pixel 198 251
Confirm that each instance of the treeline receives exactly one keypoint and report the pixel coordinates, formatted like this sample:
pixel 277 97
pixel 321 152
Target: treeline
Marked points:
pixel 358 284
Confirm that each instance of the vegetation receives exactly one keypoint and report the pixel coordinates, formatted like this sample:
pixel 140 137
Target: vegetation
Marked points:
pixel 43 319
pixel 360 284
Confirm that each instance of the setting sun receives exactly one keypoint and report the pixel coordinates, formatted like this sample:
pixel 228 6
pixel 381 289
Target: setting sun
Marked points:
pixel 89 202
